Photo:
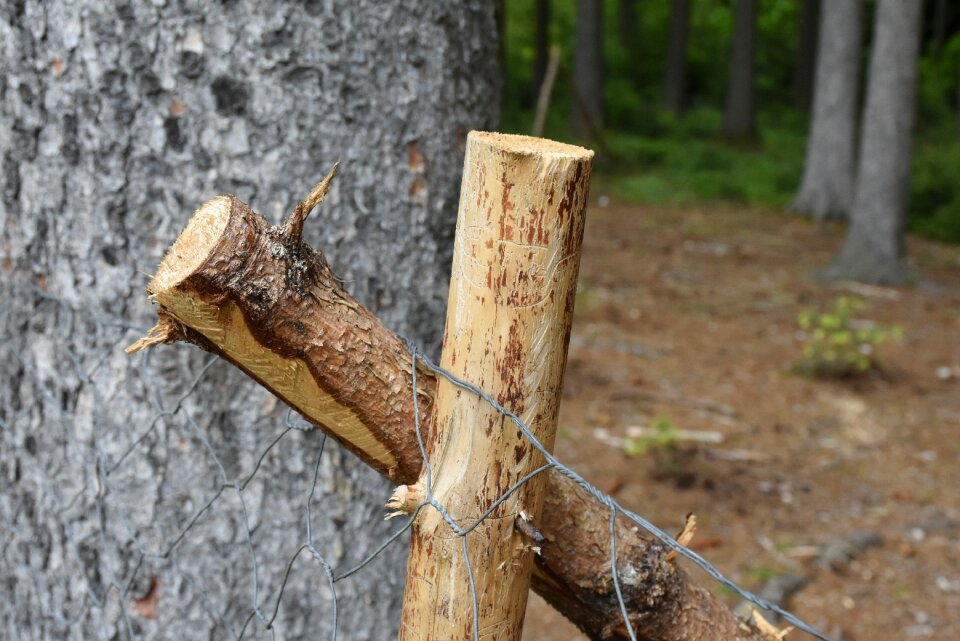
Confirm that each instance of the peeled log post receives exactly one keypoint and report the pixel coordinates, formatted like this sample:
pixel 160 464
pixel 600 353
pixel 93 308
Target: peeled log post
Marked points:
pixel 512 288
pixel 314 346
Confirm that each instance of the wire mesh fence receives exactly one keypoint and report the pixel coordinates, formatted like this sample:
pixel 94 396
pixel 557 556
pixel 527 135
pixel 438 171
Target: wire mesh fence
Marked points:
pixel 164 496
pixel 172 526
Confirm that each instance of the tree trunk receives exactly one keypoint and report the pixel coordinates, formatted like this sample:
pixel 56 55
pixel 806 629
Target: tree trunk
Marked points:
pixel 938 30
pixel 828 175
pixel 114 118
pixel 675 76
pixel 628 23
pixel 806 61
pixel 587 108
pixel 873 249
pixel 542 55
pixel 739 119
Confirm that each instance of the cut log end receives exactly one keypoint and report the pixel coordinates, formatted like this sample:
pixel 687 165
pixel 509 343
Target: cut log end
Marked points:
pixel 530 146
pixel 192 248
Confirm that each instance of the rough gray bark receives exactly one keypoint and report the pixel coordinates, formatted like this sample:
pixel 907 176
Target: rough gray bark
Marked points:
pixel 116 121
pixel 808 27
pixel 826 190
pixel 587 108
pixel 873 249
pixel 739 119
pixel 675 74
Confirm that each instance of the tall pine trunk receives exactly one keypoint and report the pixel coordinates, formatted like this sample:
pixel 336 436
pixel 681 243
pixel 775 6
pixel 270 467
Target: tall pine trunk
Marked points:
pixel 628 30
pixel 830 168
pixel 938 30
pixel 739 119
pixel 808 27
pixel 873 249
pixel 542 55
pixel 675 74
pixel 116 121
pixel 587 108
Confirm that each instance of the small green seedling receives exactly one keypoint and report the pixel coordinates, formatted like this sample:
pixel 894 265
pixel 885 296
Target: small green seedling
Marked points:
pixel 662 446
pixel 662 441
pixel 838 345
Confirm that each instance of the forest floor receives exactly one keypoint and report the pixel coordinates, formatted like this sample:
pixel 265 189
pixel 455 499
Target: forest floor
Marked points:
pixel 687 317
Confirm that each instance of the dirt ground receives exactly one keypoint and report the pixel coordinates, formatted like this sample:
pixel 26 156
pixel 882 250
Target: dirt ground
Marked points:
pixel 690 315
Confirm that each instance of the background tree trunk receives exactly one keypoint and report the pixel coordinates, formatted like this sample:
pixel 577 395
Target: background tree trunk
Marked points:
pixel 938 28
pixel 588 67
pixel 675 76
pixel 739 119
pixel 828 175
pixel 116 120
pixel 873 249
pixel 628 30
pixel 542 55
pixel 806 61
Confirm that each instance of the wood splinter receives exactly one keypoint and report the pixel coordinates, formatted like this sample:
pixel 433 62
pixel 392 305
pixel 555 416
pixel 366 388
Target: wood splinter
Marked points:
pixel 685 535
pixel 768 628
pixel 405 500
pixel 165 331
pixel 293 228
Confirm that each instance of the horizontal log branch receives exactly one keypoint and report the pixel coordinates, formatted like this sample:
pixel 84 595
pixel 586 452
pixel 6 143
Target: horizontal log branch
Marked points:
pixel 258 297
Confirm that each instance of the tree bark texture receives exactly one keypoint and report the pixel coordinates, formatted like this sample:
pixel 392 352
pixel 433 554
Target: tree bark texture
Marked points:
pixel 116 117
pixel 587 107
pixel 808 30
pixel 826 190
pixel 246 278
pixel 675 76
pixel 873 249
pixel 739 120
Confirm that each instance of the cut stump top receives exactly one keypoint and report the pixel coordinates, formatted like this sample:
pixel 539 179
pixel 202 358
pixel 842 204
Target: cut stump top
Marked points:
pixel 530 146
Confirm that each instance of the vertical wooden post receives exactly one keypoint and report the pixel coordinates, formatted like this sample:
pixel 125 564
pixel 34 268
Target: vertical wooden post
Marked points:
pixel 512 289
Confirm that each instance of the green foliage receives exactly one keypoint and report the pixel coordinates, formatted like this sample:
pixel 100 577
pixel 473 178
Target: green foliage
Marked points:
pixel 938 86
pixel 662 441
pixel 633 74
pixel 934 197
pixel 764 572
pixel 684 165
pixel 837 345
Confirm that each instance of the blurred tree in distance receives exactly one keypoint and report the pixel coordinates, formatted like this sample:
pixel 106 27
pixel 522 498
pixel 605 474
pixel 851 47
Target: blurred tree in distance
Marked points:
pixel 662 120
pixel 874 247
pixel 740 115
pixel 828 178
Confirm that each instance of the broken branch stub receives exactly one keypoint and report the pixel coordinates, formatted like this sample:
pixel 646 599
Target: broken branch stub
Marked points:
pixel 231 284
